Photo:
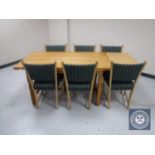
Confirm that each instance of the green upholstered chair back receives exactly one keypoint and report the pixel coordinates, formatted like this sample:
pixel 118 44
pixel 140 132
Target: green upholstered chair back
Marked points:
pixel 79 73
pixel 84 48
pixel 56 48
pixel 111 48
pixel 41 73
pixel 126 73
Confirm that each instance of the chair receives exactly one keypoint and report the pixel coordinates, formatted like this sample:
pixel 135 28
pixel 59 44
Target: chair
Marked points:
pixel 84 48
pixel 79 78
pixel 56 48
pixel 40 78
pixel 111 48
pixel 122 77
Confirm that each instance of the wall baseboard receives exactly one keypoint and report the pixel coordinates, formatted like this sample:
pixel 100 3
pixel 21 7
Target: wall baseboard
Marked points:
pixel 148 75
pixel 9 64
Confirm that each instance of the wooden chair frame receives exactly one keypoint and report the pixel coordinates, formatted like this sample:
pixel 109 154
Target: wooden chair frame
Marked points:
pixel 36 94
pixel 128 98
pixel 68 92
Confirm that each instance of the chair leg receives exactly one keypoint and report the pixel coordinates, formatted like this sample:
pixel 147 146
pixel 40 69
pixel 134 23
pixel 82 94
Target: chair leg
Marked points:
pixel 129 99
pixel 56 98
pixel 99 89
pixel 109 97
pixel 37 95
pixel 34 98
pixel 95 81
pixel 69 99
pixel 103 83
pixel 90 98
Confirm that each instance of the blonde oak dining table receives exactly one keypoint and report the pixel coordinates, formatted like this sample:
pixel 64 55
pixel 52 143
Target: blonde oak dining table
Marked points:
pixel 104 60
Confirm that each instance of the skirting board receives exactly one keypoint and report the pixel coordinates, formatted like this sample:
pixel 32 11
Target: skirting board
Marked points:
pixel 9 64
pixel 148 75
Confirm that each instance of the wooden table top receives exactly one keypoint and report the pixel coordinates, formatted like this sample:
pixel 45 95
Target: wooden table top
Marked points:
pixel 103 59
pixel 121 58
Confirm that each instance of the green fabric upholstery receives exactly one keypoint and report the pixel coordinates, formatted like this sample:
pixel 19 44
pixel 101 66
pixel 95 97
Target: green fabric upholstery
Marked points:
pixel 79 86
pixel 79 77
pixel 55 48
pixel 111 48
pixel 117 85
pixel 123 76
pixel 42 75
pixel 126 72
pixel 44 85
pixel 122 86
pixel 84 48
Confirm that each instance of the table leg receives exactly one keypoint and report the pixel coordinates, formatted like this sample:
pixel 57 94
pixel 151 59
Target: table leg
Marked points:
pixel 99 89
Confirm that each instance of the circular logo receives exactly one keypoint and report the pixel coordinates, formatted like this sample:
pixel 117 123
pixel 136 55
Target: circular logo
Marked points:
pixel 139 119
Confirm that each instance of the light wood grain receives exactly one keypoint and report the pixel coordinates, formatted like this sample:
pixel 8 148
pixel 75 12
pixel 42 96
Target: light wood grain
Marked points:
pixel 121 58
pixel 67 57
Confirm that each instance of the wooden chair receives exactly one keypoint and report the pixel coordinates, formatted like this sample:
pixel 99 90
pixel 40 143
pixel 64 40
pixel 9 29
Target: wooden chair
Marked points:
pixel 84 48
pixel 105 48
pixel 56 48
pixel 79 78
pixel 122 77
pixel 40 78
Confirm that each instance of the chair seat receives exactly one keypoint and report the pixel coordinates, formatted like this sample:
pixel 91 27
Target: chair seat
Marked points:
pixel 117 85
pixel 79 86
pixel 44 85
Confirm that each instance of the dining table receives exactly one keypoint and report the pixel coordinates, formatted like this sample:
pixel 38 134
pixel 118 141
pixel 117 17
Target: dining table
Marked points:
pixel 104 60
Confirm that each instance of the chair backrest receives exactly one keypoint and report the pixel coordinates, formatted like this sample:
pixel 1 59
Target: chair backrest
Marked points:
pixel 111 48
pixel 41 73
pixel 84 48
pixel 79 73
pixel 126 72
pixel 55 48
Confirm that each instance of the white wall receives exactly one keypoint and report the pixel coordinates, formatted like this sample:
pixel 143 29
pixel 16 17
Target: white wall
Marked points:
pixel 138 36
pixel 20 37
pixel 58 31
